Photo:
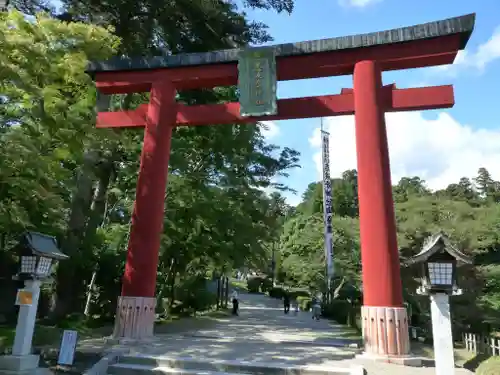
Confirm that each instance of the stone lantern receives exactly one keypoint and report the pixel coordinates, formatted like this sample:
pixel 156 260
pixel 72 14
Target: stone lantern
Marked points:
pixel 438 261
pixel 37 254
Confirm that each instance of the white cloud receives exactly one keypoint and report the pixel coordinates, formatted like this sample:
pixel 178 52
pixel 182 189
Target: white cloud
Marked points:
pixel 440 151
pixel 357 3
pixel 293 199
pixel 269 129
pixel 484 55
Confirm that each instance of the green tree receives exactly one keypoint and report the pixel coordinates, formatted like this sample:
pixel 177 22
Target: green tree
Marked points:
pixel 344 196
pixel 484 182
pixel 470 222
pixel 303 252
pixel 48 113
pixel 407 187
pixel 83 191
pixel 463 190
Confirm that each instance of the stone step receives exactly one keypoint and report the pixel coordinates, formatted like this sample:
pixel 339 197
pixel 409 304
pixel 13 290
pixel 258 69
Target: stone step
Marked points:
pixel 347 344
pixel 140 364
pixel 131 369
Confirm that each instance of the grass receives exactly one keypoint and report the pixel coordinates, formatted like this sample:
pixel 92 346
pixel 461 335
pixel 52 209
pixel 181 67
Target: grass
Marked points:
pixel 347 333
pixel 488 366
pixel 46 335
pixel 240 284
pixel 49 336
pixel 462 356
pixel 6 337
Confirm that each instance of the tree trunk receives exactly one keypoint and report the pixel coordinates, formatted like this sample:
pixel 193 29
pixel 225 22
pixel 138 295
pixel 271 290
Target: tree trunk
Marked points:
pixel 89 294
pixel 218 304
pixel 3 240
pixel 68 283
pixel 337 290
pixel 171 283
pixel 227 292
pixel 98 207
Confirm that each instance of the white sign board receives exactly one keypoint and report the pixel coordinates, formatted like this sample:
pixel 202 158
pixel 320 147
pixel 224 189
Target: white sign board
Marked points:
pixel 68 347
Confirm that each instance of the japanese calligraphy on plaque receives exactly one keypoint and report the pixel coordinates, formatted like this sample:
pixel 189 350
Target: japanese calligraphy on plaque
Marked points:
pixel 257 82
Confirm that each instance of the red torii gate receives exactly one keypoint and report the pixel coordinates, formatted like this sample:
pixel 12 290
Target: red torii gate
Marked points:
pixel 385 327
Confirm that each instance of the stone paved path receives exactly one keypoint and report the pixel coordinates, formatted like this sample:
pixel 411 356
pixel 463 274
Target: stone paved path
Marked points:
pixel 262 333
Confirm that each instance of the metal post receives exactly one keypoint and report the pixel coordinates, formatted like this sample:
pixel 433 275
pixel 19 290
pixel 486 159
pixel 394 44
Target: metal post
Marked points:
pixel 89 294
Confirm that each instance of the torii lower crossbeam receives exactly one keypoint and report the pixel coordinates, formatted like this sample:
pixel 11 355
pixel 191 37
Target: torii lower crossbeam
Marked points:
pixel 393 100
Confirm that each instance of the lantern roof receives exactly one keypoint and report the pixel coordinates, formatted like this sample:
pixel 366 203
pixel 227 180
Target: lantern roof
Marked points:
pixel 42 245
pixel 435 244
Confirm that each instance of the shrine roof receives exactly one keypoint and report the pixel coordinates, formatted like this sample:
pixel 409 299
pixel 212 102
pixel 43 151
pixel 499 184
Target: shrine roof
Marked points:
pixel 462 26
pixel 434 244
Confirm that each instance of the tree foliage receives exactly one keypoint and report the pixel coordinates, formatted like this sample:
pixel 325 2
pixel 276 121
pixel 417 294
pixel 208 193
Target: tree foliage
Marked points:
pixel 60 176
pixel 466 211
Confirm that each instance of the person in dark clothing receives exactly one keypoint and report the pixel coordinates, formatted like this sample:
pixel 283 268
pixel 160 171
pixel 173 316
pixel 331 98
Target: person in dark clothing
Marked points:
pixel 286 302
pixel 236 303
pixel 316 308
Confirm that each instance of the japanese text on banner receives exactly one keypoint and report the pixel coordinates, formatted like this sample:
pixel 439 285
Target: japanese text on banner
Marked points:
pixel 327 204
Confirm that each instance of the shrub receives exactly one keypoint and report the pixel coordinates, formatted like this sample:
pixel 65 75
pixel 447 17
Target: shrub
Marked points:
pixel 358 323
pixel 338 310
pixel 266 285
pixel 304 303
pixel 193 296
pixel 276 292
pixel 489 367
pixel 253 284
pixel 296 293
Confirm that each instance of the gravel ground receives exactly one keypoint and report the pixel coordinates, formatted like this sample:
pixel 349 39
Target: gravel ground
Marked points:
pixel 262 333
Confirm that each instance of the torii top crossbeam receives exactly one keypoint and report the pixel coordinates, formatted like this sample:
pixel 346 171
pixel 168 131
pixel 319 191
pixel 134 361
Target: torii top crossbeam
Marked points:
pixel 428 44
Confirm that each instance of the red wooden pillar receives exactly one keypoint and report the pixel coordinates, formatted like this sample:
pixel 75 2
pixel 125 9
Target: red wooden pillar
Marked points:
pixel 136 306
pixel 385 327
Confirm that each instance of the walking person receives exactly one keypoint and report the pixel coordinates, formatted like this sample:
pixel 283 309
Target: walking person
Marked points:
pixel 316 308
pixel 234 298
pixel 286 302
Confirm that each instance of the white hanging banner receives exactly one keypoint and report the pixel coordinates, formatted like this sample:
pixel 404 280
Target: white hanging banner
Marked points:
pixel 327 205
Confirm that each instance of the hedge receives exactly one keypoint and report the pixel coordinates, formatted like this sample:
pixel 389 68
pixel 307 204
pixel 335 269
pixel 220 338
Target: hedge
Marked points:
pixel 253 284
pixel 266 285
pixel 489 367
pixel 258 284
pixel 304 303
pixel 342 312
pixel 296 293
pixel 276 292
pixel 279 292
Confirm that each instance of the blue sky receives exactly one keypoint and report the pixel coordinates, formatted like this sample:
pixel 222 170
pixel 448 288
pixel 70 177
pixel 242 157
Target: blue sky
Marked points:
pixel 439 146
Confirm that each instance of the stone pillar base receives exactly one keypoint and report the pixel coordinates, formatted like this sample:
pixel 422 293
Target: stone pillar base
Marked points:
pixel 385 332
pixel 135 318
pixel 406 360
pixel 20 365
